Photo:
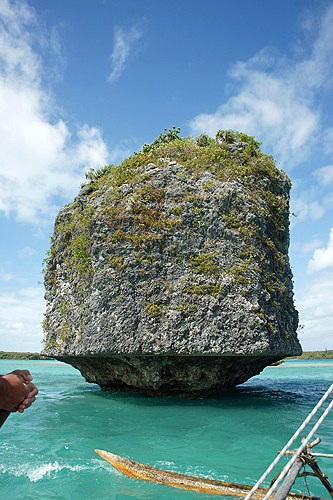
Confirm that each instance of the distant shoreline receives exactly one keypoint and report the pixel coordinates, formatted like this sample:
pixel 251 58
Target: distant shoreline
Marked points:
pixel 314 355
pixel 22 355
pixel 35 355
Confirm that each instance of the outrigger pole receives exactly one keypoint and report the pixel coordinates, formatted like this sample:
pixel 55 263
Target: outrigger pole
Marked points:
pixel 137 470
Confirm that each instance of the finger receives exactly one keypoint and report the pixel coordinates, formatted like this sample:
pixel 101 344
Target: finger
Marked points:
pixel 23 406
pixel 26 375
pixel 33 391
pixel 27 401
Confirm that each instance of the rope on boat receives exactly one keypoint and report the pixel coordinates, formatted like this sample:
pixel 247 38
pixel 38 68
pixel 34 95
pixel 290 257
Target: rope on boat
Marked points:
pixel 291 440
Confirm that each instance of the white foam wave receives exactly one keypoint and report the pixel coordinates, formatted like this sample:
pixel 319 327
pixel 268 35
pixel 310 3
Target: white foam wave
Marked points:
pixel 37 472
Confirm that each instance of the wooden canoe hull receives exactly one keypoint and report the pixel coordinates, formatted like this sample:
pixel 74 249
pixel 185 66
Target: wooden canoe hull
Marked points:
pixel 147 473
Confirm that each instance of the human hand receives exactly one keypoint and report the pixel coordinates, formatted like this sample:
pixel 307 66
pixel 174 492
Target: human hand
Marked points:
pixel 17 392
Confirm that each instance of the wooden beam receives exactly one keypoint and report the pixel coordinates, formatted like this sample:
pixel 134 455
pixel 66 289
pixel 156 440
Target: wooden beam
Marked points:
pixel 321 476
pixel 289 480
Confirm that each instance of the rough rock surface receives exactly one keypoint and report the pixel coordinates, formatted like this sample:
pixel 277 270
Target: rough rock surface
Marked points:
pixel 169 274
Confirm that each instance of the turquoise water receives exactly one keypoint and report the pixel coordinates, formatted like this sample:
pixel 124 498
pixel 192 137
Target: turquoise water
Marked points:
pixel 48 452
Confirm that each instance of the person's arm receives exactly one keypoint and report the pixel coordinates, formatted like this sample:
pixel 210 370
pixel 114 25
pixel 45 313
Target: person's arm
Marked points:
pixel 17 392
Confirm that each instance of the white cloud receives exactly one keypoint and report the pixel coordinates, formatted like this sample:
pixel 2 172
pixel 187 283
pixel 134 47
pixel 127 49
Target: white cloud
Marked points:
pixel 91 149
pixel 304 209
pixel 328 141
pixel 39 157
pixel 328 201
pixel 315 306
pixel 310 246
pixel 6 276
pixel 324 174
pixel 274 98
pixel 124 42
pixel 27 252
pixel 322 257
pixel 21 313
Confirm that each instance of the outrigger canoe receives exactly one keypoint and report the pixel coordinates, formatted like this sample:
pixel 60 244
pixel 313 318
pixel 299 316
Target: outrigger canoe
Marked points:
pixel 147 473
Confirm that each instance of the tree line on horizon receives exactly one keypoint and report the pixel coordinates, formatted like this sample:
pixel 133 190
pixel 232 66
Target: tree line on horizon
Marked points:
pixel 22 355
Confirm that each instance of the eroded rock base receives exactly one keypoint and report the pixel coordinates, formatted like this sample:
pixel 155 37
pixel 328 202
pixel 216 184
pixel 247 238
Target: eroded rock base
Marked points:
pixel 177 376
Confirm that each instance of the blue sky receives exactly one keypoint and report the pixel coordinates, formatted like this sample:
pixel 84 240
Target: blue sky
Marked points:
pixel 85 83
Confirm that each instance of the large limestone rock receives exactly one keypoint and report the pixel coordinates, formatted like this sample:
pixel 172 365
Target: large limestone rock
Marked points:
pixel 169 273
